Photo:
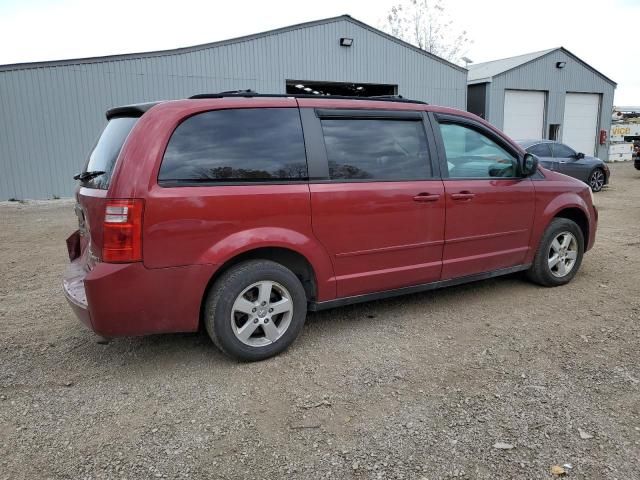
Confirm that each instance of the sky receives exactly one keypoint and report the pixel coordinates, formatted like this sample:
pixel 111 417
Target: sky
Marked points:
pixel 600 32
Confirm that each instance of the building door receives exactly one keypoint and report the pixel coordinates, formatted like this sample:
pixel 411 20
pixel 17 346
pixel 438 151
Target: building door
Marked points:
pixel 524 114
pixel 580 129
pixel 350 89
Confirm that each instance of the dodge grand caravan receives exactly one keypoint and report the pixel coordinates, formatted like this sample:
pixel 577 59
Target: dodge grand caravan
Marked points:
pixel 241 212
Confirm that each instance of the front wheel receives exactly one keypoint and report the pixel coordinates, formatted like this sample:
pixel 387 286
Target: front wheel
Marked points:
pixel 596 180
pixel 255 310
pixel 559 255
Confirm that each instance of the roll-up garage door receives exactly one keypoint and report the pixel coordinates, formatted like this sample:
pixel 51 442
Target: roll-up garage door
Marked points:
pixel 580 126
pixel 524 114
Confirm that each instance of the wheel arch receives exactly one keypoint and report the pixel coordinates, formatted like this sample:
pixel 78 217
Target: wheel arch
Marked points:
pixel 567 205
pixel 287 257
pixel 578 216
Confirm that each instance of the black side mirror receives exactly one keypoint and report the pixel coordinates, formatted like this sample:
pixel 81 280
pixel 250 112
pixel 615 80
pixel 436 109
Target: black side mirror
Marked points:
pixel 579 156
pixel 529 165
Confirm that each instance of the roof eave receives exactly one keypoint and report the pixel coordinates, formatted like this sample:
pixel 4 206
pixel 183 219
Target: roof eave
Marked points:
pixel 575 57
pixel 194 48
pixel 480 80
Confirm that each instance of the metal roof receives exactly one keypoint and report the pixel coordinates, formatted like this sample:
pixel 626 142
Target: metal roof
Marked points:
pixel 484 72
pixel 176 51
pixel 487 70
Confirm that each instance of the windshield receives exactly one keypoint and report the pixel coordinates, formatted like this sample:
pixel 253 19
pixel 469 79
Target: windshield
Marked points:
pixel 103 156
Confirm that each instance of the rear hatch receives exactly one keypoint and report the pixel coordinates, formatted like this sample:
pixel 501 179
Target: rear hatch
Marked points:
pixel 94 184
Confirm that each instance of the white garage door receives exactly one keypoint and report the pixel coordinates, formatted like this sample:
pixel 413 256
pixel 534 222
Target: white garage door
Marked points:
pixel 581 121
pixel 524 114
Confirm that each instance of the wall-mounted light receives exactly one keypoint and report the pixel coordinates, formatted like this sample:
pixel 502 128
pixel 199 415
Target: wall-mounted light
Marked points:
pixel 346 42
pixel 561 64
pixel 299 85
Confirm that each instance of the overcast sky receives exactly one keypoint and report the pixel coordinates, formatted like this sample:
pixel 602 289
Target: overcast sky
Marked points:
pixel 600 32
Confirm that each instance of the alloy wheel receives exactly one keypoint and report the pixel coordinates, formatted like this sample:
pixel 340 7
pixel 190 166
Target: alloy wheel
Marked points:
pixel 563 253
pixel 262 313
pixel 596 182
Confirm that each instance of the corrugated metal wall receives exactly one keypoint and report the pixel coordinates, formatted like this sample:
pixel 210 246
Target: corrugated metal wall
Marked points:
pixel 542 74
pixel 52 113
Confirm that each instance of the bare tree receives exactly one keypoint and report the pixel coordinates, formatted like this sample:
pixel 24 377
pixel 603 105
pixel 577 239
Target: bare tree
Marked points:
pixel 426 24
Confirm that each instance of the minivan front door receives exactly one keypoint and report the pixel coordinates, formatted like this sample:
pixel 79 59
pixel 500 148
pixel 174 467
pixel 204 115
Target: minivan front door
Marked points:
pixel 379 210
pixel 490 209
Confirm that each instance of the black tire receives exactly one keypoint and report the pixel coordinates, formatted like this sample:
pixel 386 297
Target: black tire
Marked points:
pixel 224 292
pixel 540 272
pixel 593 182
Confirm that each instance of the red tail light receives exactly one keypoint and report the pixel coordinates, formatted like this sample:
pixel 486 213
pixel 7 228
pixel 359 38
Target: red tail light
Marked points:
pixel 122 239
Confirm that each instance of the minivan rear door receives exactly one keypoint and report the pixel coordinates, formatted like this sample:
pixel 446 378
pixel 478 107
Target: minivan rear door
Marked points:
pixel 95 179
pixel 377 201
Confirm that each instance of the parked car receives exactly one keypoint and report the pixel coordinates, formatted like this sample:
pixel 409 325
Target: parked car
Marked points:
pixel 242 212
pixel 564 159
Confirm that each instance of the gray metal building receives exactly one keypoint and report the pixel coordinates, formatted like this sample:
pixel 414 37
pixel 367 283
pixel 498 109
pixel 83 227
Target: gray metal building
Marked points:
pixel 548 94
pixel 51 112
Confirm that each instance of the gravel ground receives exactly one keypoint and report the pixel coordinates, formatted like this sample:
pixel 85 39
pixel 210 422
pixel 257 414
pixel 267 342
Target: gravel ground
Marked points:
pixel 497 379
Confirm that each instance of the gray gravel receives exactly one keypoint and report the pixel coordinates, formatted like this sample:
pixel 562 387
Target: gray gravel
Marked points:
pixel 498 379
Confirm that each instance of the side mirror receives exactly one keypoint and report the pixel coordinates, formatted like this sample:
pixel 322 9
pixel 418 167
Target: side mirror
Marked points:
pixel 529 165
pixel 579 156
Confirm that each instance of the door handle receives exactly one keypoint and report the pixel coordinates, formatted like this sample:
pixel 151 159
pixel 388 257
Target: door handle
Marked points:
pixel 464 195
pixel 426 197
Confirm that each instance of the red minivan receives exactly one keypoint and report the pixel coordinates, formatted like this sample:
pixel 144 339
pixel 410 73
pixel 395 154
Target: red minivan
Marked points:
pixel 241 212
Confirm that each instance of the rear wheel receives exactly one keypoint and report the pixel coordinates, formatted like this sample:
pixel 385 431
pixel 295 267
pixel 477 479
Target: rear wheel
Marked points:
pixel 596 180
pixel 559 255
pixel 255 310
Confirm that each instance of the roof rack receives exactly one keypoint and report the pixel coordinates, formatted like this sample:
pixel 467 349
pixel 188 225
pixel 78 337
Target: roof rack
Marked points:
pixel 253 94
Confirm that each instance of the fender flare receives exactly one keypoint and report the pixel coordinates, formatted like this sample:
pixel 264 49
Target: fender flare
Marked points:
pixel 562 202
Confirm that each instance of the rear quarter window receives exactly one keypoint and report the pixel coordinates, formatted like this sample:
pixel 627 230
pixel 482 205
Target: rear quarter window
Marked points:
pixel 106 150
pixel 541 150
pixel 237 145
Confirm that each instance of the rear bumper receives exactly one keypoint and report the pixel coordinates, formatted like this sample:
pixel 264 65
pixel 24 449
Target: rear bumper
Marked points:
pixel 128 299
pixel 74 292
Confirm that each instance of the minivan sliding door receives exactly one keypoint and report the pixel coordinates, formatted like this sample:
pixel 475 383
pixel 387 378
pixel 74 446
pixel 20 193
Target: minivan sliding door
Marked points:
pixel 377 201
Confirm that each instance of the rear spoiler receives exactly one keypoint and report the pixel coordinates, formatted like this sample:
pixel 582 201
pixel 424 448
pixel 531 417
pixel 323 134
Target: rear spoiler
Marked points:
pixel 135 110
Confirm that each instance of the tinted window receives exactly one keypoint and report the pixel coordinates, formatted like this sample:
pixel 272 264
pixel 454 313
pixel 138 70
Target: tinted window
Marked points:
pixel 237 145
pixel 562 151
pixel 361 149
pixel 471 154
pixel 541 150
pixel 103 156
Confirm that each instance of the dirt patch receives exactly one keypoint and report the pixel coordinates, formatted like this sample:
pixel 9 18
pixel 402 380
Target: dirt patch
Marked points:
pixel 430 385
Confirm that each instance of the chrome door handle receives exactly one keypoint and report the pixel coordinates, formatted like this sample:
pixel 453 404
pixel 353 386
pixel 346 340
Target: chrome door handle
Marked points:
pixel 426 197
pixel 462 196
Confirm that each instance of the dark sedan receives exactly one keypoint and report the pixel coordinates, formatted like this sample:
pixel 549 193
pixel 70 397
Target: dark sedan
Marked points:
pixel 561 158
